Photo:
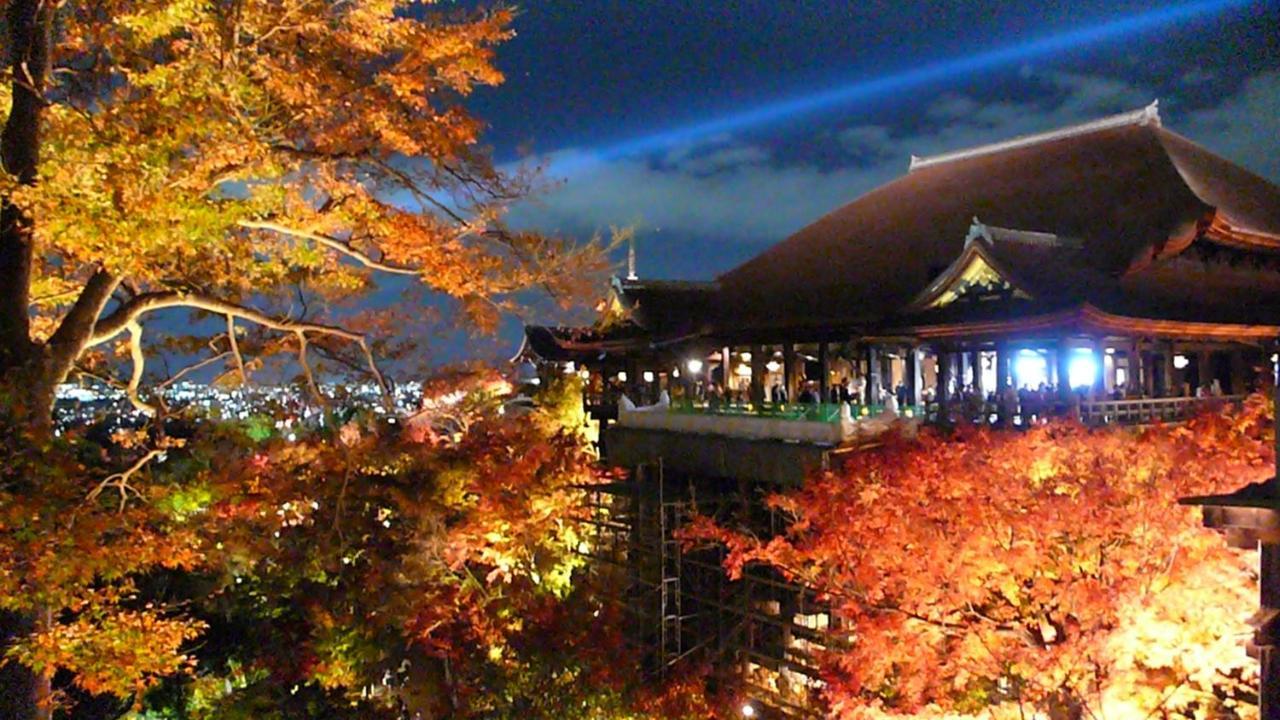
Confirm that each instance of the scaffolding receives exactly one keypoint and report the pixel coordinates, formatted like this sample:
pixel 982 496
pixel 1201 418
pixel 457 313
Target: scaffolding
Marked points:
pixel 680 604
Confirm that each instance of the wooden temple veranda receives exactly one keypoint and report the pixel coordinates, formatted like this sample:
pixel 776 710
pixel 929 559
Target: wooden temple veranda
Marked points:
pixel 1114 271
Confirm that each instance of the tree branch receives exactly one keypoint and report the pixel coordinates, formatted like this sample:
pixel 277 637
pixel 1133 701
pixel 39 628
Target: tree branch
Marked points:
pixel 331 243
pixel 118 321
pixel 77 326
pixel 139 361
pixel 235 349
pixel 306 369
pixel 120 480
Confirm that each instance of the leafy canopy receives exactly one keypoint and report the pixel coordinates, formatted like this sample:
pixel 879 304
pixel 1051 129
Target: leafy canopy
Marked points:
pixel 1006 573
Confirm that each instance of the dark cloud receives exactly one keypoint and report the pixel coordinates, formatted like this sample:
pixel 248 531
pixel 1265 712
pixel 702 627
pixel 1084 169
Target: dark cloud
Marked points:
pixel 738 196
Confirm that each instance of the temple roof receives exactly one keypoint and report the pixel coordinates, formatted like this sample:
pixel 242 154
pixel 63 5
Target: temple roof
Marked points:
pixel 1114 225
pixel 1130 195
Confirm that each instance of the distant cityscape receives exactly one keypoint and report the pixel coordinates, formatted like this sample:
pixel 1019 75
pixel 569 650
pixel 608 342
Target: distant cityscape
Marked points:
pixel 81 405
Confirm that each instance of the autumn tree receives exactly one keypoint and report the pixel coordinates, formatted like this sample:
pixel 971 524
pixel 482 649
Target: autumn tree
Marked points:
pixel 1038 573
pixel 218 155
pixel 425 568
pixel 256 163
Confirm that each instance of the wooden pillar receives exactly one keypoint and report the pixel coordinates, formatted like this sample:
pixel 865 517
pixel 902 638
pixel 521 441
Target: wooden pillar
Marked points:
pixel 975 362
pixel 1004 361
pixel 726 370
pixel 1204 370
pixel 1167 384
pixel 1147 361
pixel 913 380
pixel 944 379
pixel 1239 373
pixel 1066 393
pixel 1003 370
pixel 874 380
pixel 789 370
pixel 824 373
pixel 757 375
pixel 1099 389
pixel 1265 640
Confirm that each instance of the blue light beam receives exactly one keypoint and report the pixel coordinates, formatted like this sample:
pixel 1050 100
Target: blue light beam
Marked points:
pixel 792 107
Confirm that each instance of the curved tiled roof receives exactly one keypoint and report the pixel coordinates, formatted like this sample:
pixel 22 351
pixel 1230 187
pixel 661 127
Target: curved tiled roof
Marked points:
pixel 1132 192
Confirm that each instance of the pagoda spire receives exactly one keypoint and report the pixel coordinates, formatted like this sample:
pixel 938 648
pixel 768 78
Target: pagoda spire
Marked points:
pixel 631 260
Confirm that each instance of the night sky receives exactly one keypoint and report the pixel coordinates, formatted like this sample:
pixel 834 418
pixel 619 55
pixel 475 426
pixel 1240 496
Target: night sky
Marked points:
pixel 606 91
pixel 715 128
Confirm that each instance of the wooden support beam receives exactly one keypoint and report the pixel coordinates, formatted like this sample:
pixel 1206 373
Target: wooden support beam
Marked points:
pixel 757 375
pixel 914 379
pixel 1066 393
pixel 1099 389
pixel 789 370
pixel 874 381
pixel 944 380
pixel 824 373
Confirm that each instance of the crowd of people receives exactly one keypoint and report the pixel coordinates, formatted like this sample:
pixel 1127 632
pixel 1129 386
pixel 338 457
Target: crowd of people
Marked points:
pixel 1031 403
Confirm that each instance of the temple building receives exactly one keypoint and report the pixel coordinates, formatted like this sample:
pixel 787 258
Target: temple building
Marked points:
pixel 1113 269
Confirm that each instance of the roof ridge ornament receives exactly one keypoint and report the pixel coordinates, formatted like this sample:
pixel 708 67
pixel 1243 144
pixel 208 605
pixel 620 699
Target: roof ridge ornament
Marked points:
pixel 992 234
pixel 1147 116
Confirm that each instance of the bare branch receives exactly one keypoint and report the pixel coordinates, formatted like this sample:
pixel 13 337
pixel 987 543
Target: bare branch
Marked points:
pixel 120 480
pixel 330 242
pixel 306 369
pixel 139 360
pixel 235 349
pixel 118 321
pixel 192 368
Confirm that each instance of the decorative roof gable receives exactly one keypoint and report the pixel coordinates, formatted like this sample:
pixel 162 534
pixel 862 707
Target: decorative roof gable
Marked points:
pixel 977 275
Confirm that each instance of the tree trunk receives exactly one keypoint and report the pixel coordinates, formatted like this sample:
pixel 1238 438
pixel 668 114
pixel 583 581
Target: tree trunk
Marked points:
pixel 25 392
pixel 29 25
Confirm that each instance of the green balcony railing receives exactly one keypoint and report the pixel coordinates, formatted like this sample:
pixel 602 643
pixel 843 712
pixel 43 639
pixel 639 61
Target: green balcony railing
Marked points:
pixel 808 412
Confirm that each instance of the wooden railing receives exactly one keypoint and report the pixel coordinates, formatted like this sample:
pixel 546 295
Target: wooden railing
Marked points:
pixel 1148 410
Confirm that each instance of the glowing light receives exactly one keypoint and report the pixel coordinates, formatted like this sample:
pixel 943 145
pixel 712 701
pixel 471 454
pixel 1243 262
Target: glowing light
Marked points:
pixel 748 710
pixel 1180 362
pixel 585 374
pixel 675 372
pixel 772 366
pixel 1082 369
pixel 695 366
pixel 1030 368
pixel 622 376
pixel 746 356
pixel 904 79
pixel 1111 351
pixel 570 368
pixel 742 370
pixel 648 376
